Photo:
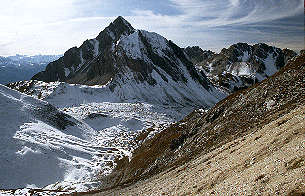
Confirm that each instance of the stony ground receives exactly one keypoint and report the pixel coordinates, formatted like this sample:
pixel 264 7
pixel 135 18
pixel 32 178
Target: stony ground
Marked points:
pixel 268 161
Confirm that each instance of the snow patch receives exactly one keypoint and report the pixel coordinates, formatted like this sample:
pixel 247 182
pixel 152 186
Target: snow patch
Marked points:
pixel 245 57
pixel 270 65
pixel 111 34
pixel 132 45
pixel 81 57
pixel 26 150
pixel 67 71
pixel 157 42
pixel 242 69
pixel 270 104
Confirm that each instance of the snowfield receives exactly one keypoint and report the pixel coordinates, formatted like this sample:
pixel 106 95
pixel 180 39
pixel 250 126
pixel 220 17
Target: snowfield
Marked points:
pixel 40 145
pixel 69 147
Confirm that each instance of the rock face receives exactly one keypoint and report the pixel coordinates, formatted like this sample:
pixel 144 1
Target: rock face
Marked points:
pixel 197 55
pixel 91 63
pixel 242 65
pixel 134 64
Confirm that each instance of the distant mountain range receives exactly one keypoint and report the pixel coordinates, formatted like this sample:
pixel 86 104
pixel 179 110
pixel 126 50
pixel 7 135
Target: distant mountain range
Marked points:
pixel 21 67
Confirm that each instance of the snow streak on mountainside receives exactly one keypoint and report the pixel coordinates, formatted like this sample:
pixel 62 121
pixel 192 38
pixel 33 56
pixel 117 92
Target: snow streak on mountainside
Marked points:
pixel 136 65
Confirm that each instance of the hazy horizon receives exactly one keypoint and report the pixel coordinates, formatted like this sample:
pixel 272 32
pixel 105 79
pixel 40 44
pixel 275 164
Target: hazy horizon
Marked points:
pixel 53 26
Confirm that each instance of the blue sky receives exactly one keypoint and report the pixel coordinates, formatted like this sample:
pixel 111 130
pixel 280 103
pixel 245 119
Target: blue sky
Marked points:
pixel 53 26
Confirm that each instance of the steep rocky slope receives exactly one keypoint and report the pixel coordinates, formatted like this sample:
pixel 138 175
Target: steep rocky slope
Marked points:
pixel 246 118
pixel 242 65
pixel 256 164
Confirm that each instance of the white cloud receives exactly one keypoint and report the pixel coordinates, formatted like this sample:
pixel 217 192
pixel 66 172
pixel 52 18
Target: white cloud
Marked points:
pixel 228 12
pixel 26 12
pixel 53 26
pixel 48 26
pixel 213 24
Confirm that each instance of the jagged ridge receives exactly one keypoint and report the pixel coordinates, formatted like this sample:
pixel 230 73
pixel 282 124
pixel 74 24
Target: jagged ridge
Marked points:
pixel 242 65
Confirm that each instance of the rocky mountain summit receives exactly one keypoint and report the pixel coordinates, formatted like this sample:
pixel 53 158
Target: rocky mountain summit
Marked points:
pixel 241 65
pixel 117 48
pixel 134 64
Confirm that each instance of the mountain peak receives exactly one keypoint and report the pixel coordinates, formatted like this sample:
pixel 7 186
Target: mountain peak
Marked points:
pixel 120 21
pixel 117 28
pixel 120 18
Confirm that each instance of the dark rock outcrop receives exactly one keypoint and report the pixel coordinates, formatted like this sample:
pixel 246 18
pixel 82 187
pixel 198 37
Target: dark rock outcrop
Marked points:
pixel 92 62
pixel 197 55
